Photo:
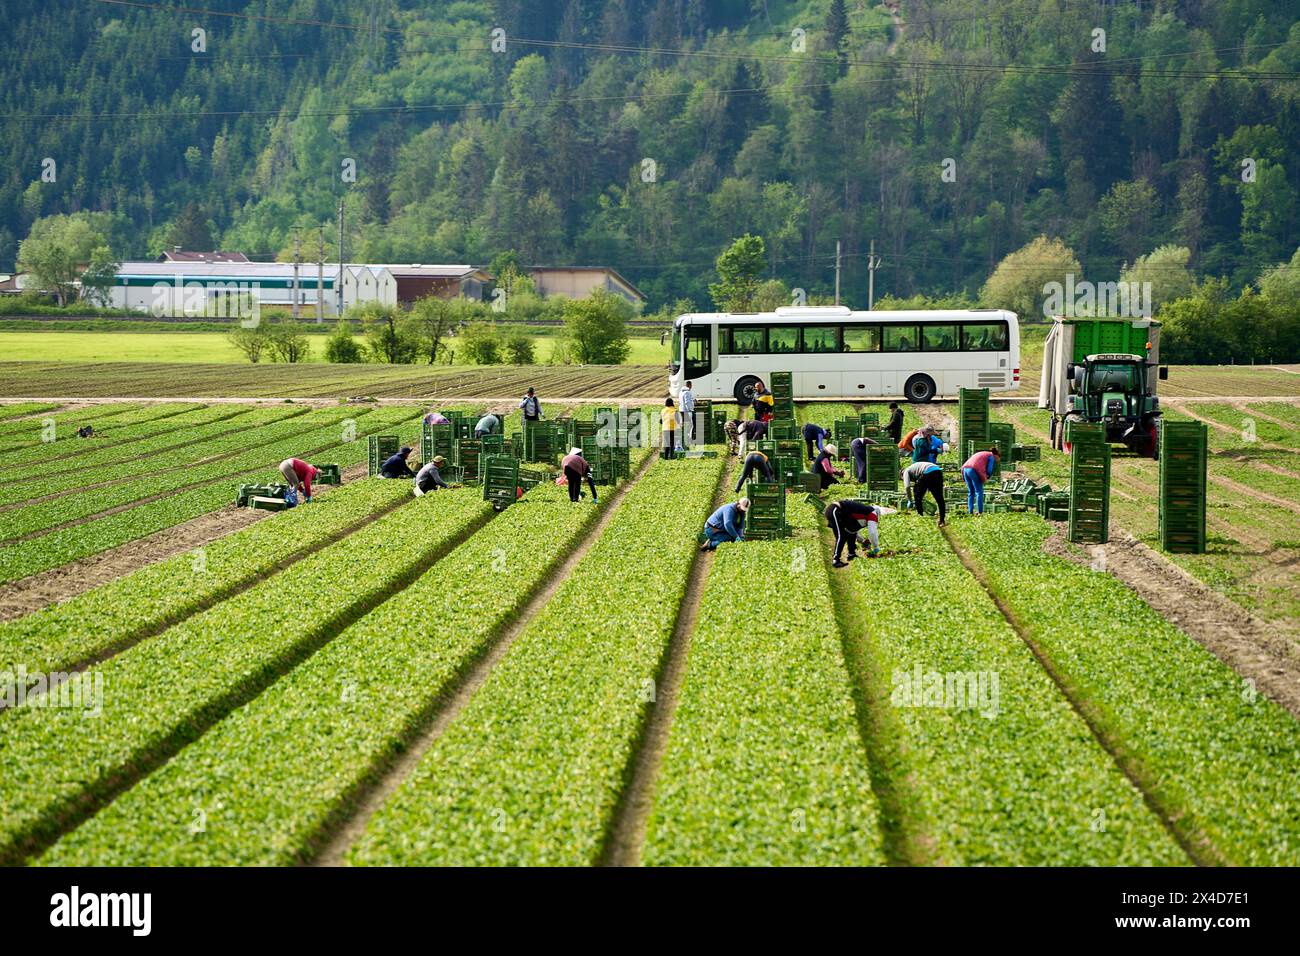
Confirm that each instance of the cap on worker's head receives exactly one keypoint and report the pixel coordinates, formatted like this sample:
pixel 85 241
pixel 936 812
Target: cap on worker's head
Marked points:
pixel 404 450
pixel 575 451
pixel 927 430
pixel 743 504
pixel 530 390
pixel 439 460
pixel 832 450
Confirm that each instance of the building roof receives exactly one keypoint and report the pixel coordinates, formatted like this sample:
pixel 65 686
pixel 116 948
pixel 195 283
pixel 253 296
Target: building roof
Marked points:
pixel 180 255
pixel 420 270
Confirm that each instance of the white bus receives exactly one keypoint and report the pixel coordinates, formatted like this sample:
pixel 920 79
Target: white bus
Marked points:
pixel 836 353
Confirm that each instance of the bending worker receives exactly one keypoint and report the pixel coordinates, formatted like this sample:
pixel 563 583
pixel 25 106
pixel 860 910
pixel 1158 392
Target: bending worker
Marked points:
pixel 814 434
pixel 848 518
pixel 487 425
pixel 726 524
pixel 436 418
pixel 576 468
pixel 429 477
pixel 299 475
pixel 927 446
pixel 755 461
pixel 397 466
pixel 977 470
pixel 824 467
pixel 858 451
pixel 923 476
pixel 748 432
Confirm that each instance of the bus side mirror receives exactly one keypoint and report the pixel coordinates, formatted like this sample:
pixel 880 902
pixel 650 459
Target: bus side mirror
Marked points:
pixel 1164 373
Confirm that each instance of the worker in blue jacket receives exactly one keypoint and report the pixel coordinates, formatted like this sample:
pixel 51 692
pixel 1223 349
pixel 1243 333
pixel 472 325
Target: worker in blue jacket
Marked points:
pixel 814 434
pixel 927 446
pixel 725 524
pixel 489 424
pixel 397 466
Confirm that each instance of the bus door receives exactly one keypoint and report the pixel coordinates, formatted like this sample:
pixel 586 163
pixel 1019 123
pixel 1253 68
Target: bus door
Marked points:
pixel 697 351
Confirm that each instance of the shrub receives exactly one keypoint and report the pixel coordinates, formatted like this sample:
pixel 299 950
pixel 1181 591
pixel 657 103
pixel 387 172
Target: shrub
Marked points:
pixel 341 347
pixel 481 343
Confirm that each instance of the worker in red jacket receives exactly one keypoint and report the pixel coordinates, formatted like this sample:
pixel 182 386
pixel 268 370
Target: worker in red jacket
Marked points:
pixel 299 475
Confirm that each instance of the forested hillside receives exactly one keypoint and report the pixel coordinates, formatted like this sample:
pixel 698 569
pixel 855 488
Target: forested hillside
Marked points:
pixel 647 134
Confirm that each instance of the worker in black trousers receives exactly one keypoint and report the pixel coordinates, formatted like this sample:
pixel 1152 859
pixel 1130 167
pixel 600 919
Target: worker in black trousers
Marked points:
pixel 814 435
pixel 848 518
pixel 755 461
pixel 923 476
pixel 858 447
pixel 895 426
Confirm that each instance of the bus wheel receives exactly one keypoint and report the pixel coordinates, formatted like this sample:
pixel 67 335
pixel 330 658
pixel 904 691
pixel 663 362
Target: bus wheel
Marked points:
pixel 745 390
pixel 919 388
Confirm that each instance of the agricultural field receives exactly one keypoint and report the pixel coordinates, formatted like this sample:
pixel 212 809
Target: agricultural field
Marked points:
pixel 375 679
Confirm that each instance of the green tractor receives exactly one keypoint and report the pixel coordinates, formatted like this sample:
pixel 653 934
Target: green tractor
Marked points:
pixel 1115 387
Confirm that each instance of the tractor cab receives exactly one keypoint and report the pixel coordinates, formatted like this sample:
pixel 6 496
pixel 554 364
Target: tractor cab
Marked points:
pixel 1111 388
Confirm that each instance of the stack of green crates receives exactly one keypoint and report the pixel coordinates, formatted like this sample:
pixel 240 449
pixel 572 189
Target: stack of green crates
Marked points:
pixel 882 467
pixel 381 448
pixel 783 395
pixel 972 416
pixel 468 452
pixel 1184 453
pixel 869 418
pixel 1089 484
pixel 787 469
pixel 631 429
pixel 500 479
pixel 718 427
pixel 810 482
pixel 766 518
pixel 437 440
pixel 610 464
pixel 582 433
pixel 543 441
pixel 785 428
pixel 703 421
pixel 789 448
pixel 845 430
pixel 767 446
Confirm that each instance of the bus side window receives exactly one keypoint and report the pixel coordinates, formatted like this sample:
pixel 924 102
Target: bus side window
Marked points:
pixel 820 338
pixel 939 338
pixel 899 338
pixel 862 338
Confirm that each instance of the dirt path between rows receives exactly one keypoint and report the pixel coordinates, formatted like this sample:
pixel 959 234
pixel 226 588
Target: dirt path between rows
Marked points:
pixel 63 583
pixel 1246 491
pixel 627 830
pixel 1256 413
pixel 335 843
pixel 1229 430
pixel 1253 648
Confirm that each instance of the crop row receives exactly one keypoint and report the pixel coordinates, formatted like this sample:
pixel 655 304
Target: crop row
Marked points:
pixel 765 765
pixel 347 710
pixel 164 692
pixel 158 595
pixel 124 444
pixel 252 446
pixel 531 770
pixel 1223 759
pixel 150 457
pixel 56 548
pixel 41 448
pixel 31 431
pixel 24 408
pixel 993 765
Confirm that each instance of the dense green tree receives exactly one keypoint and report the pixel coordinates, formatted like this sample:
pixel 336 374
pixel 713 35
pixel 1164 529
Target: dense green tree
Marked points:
pixel 596 327
pixel 740 269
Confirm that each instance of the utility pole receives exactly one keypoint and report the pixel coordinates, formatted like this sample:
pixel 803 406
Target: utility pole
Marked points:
pixel 837 272
pixel 873 263
pixel 320 274
pixel 297 259
pixel 338 282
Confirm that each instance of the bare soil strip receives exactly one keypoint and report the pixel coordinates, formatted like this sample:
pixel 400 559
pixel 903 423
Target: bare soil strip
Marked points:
pixel 333 846
pixel 1252 648
pixel 626 834
pixel 1193 842
pixel 61 584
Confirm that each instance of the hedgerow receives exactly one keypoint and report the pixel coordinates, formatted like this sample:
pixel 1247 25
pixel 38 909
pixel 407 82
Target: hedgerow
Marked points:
pixel 18 560
pixel 143 602
pixel 765 765
pixel 1027 785
pixel 1222 758
pixel 164 692
pixel 347 709
pixel 148 455
pixel 531 770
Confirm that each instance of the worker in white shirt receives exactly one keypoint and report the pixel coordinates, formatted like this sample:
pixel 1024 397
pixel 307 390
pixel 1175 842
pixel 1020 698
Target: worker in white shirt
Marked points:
pixel 686 404
pixel 923 476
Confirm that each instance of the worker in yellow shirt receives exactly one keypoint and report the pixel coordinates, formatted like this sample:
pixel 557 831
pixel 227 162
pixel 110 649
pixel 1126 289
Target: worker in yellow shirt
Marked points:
pixel 668 428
